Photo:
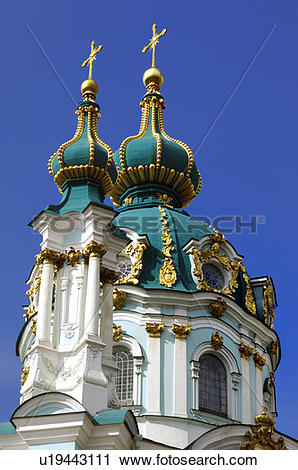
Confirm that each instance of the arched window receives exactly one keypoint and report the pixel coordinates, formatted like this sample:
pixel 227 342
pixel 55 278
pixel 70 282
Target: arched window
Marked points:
pixel 124 378
pixel 212 385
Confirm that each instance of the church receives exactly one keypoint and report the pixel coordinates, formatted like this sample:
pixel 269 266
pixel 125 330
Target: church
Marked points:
pixel 143 329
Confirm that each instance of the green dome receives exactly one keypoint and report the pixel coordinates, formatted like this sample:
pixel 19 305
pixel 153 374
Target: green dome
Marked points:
pixel 153 158
pixel 85 155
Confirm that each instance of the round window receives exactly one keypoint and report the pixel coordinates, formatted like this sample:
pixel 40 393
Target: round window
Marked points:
pixel 213 276
pixel 124 268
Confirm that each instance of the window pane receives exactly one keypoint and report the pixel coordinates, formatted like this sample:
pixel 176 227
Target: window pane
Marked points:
pixel 124 377
pixel 212 385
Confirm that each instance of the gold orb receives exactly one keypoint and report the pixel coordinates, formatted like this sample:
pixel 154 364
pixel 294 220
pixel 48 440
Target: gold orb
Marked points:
pixel 89 86
pixel 153 76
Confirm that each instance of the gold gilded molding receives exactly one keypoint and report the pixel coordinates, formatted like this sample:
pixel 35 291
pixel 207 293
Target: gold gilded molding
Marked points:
pixel 93 250
pixel 181 331
pixel 165 199
pixel 72 256
pixel 34 325
pixel 128 200
pixel 272 379
pixel 216 341
pixel 31 292
pixel 154 329
pixel 119 298
pixel 249 298
pixel 245 351
pixel 134 251
pixel 269 313
pixel 273 347
pixel 51 257
pixel 167 274
pixel 117 332
pixel 25 373
pixel 218 307
pixel 261 435
pixel 260 361
pixel 108 276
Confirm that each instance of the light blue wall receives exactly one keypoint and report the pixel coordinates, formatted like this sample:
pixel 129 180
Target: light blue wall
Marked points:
pixel 167 347
pixel 252 381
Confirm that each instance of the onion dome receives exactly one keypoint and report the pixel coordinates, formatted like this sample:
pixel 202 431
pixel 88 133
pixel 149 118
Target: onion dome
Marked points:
pixel 85 157
pixel 152 159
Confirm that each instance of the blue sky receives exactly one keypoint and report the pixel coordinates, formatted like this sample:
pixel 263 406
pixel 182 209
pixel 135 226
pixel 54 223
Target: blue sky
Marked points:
pixel 248 161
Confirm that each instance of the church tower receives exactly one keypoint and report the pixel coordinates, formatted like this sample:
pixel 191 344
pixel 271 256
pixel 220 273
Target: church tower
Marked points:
pixel 144 329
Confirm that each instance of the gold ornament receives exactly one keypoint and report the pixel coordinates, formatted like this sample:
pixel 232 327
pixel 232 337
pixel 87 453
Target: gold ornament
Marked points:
pixel 249 298
pixel 165 198
pixel 153 42
pixel 135 251
pixel 154 329
pixel 181 331
pixel 72 256
pixel 34 326
pixel 31 292
pixel 128 200
pixel 217 307
pixel 117 332
pixel 25 373
pixel 272 379
pixel 93 250
pixel 216 341
pixel 167 275
pixel 50 257
pixel 245 351
pixel 261 437
pixel 269 313
pixel 119 298
pixel 273 347
pixel 260 361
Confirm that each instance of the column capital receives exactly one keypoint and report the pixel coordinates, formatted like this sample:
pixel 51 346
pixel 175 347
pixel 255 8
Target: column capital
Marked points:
pixel 154 329
pixel 93 250
pixel 245 351
pixel 108 276
pixel 260 361
pixel 181 331
pixel 48 256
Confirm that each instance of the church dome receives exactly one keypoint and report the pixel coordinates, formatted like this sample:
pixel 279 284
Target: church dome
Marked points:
pixel 85 156
pixel 152 158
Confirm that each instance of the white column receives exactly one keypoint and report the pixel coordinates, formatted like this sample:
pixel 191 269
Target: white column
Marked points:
pixel 106 318
pixel 246 416
pixel 137 385
pixel 259 390
pixel 57 310
pixel 92 253
pixel 180 378
pixel 235 377
pixel 83 300
pixel 154 368
pixel 195 368
pixel 45 303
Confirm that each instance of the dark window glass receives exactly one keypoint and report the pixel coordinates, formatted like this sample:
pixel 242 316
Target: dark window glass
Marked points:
pixel 212 385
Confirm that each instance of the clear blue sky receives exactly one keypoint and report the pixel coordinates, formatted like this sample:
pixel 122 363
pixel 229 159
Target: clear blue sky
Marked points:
pixel 248 162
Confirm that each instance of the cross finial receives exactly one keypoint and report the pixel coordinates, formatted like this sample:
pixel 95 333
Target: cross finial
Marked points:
pixel 91 58
pixel 153 42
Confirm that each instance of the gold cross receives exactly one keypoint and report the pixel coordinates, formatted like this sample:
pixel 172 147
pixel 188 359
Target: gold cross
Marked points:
pixel 153 42
pixel 91 58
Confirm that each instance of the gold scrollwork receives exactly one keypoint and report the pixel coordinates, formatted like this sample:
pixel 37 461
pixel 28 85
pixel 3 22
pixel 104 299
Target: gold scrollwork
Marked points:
pixel 260 361
pixel 216 341
pixel 269 313
pixel 167 274
pixel 108 276
pixel 25 373
pixel 218 307
pixel 249 298
pixel 50 256
pixel 261 437
pixel 93 250
pixel 31 293
pixel 181 331
pixel 128 200
pixel 245 351
pixel 72 256
pixel 154 329
pixel 165 199
pixel 136 252
pixel 119 298
pixel 34 325
pixel 117 332
pixel 273 347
